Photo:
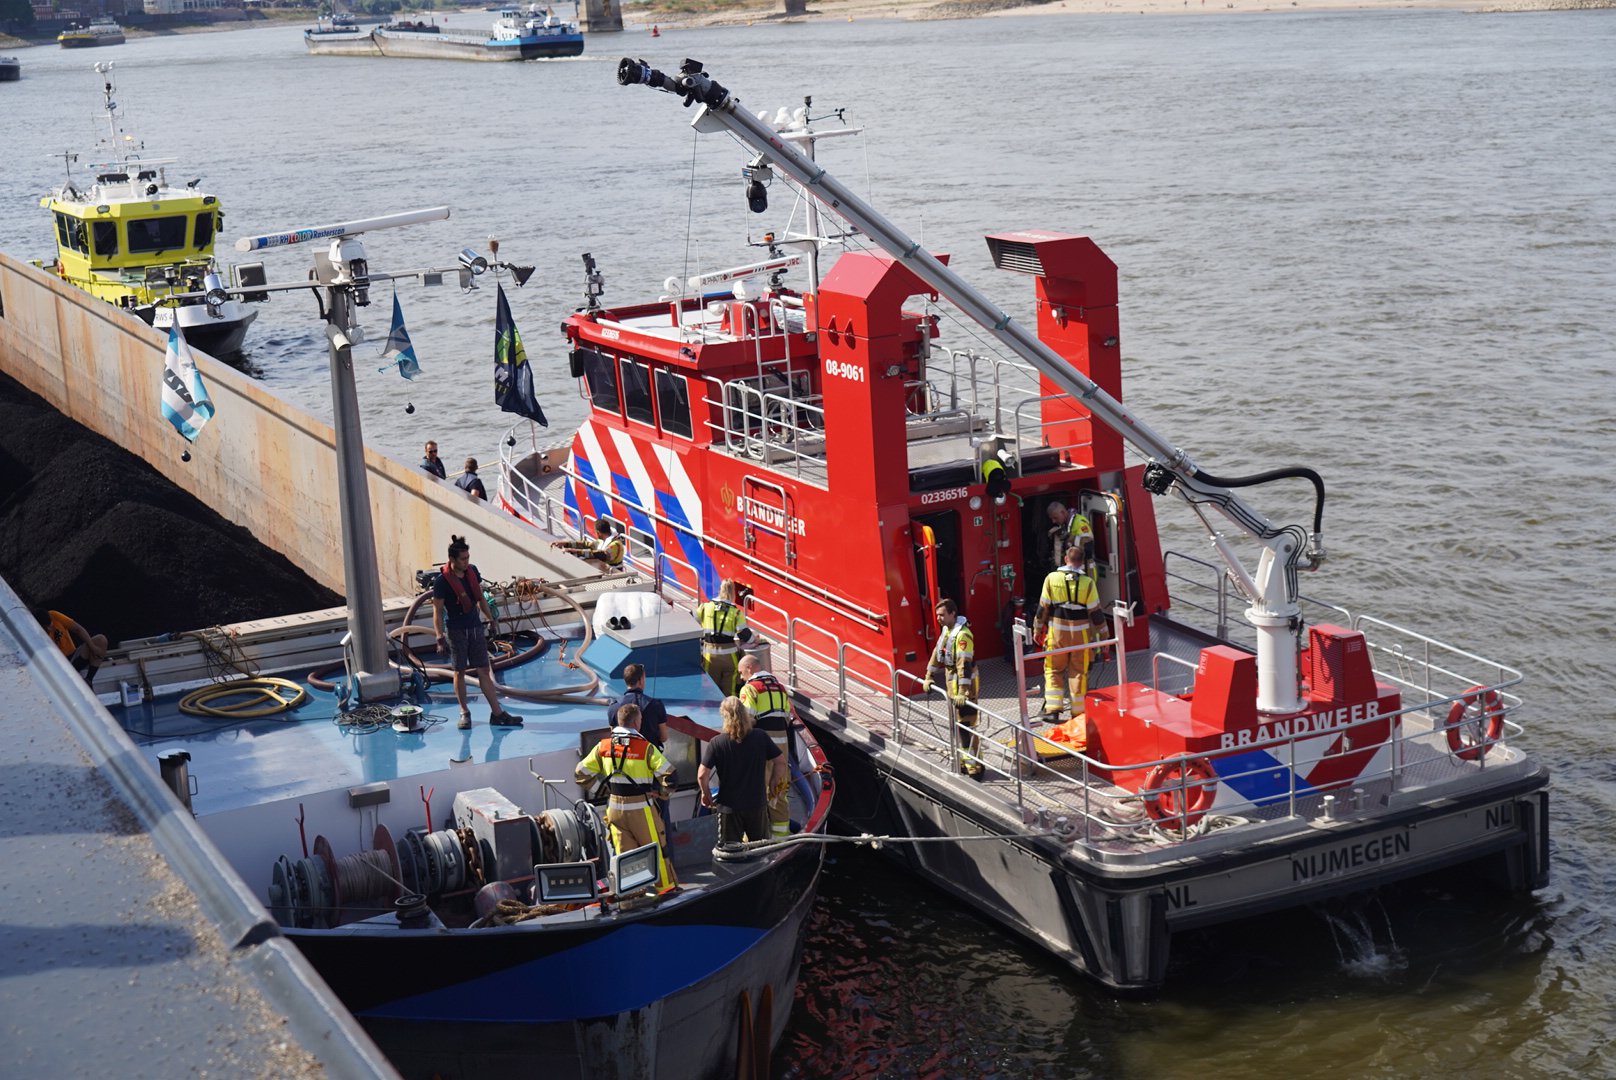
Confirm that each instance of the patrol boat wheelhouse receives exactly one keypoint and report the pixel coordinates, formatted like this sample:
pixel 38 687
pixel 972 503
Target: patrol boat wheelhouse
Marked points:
pixel 825 449
pixel 130 239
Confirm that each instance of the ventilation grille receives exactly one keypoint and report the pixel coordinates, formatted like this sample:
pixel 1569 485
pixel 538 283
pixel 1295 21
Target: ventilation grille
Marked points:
pixel 1017 256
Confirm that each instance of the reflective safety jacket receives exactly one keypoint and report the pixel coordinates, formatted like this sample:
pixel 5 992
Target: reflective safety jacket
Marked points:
pixel 631 765
pixel 722 624
pixel 766 696
pixel 611 548
pixel 955 659
pixel 1077 532
pixel 1069 596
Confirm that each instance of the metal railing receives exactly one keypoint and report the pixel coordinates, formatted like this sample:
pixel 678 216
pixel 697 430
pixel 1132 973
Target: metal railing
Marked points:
pixel 1042 777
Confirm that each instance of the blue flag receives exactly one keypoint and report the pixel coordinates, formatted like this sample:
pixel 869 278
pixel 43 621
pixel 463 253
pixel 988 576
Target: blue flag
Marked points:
pixel 398 347
pixel 513 375
pixel 186 404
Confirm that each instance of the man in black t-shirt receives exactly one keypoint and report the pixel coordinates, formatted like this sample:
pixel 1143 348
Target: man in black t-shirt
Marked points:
pixel 748 765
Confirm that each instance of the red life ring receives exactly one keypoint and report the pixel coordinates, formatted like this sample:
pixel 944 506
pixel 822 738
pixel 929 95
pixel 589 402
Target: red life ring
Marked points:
pixel 1180 792
pixel 1464 723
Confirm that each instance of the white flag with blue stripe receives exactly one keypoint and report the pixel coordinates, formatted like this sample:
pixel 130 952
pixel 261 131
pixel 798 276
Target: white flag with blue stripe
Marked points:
pixel 186 404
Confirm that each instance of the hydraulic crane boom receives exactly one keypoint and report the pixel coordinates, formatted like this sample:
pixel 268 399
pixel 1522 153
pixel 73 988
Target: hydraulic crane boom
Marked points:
pixel 1272 590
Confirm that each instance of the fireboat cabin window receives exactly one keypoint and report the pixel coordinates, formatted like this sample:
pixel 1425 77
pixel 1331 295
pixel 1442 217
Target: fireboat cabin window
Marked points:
pixel 204 229
pixel 157 234
pixel 105 235
pixel 637 391
pixel 673 403
pixel 601 373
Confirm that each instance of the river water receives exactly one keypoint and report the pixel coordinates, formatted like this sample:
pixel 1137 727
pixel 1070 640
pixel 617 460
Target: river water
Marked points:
pixel 1380 244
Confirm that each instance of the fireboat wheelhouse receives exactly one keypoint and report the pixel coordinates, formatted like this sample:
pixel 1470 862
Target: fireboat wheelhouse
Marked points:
pixel 824 450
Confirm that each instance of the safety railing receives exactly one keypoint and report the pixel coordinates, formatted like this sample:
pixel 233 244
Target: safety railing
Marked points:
pixel 1042 778
pixel 778 429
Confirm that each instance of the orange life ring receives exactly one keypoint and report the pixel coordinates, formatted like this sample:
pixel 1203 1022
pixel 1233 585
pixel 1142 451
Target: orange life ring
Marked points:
pixel 1180 792
pixel 1464 721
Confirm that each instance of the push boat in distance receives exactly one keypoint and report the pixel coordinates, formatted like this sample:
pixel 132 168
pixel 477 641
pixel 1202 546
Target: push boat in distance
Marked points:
pixel 10 69
pixel 824 449
pixel 101 30
pixel 338 35
pixel 455 888
pixel 132 240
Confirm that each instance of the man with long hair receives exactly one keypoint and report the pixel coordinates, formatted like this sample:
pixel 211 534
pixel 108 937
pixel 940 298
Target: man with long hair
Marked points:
pixel 747 764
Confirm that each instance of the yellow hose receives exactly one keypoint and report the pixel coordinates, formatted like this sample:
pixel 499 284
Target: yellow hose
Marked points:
pixel 245 699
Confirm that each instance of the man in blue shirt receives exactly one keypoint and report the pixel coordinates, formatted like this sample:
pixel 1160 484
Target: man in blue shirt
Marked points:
pixel 432 463
pixel 652 711
pixel 470 482
pixel 652 714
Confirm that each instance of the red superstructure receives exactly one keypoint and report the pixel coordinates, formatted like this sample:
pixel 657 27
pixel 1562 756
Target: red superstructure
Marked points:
pixel 805 464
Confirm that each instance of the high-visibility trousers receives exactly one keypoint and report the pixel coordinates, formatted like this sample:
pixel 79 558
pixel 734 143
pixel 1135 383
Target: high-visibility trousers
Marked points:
pixel 720 666
pixel 779 800
pixel 964 698
pixel 1066 675
pixel 634 824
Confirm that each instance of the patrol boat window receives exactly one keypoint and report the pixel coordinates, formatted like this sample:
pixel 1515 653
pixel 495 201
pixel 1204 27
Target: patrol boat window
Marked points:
pixel 105 235
pixel 673 403
pixel 70 231
pixel 157 234
pixel 204 229
pixel 601 374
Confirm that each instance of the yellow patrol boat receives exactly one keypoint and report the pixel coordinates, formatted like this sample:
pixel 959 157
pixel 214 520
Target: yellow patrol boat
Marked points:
pixel 132 240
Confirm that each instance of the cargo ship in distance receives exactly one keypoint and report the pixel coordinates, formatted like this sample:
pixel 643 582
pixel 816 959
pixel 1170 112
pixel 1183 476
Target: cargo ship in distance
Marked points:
pixel 533 34
pixel 99 31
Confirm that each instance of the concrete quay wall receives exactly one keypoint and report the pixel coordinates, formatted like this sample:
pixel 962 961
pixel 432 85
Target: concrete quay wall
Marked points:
pixel 262 463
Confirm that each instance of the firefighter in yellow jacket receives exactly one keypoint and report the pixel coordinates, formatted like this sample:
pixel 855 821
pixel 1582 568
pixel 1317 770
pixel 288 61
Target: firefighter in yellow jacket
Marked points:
pixel 606 550
pixel 635 772
pixel 954 659
pixel 1068 528
pixel 1066 608
pixel 723 631
pixel 770 706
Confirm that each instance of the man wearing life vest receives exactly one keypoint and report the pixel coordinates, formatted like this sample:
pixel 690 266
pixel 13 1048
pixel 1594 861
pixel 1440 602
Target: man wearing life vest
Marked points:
pixel 606 549
pixel 954 659
pixel 1066 609
pixel 458 600
pixel 635 772
pixel 723 631
pixel 1070 528
pixel 770 705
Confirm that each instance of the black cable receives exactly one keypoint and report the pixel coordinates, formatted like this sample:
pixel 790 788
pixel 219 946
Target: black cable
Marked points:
pixel 1294 472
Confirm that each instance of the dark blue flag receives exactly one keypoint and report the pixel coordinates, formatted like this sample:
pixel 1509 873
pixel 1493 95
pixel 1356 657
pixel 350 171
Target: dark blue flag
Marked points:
pixel 513 375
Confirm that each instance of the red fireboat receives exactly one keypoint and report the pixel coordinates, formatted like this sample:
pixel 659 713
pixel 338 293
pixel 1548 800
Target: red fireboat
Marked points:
pixel 829 451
